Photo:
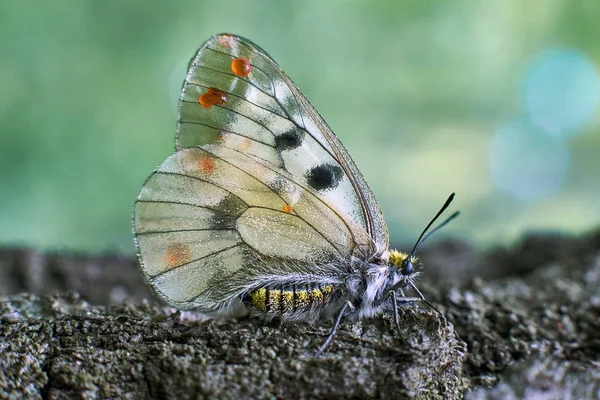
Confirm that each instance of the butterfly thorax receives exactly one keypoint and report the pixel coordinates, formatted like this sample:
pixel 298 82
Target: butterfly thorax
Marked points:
pixel 372 297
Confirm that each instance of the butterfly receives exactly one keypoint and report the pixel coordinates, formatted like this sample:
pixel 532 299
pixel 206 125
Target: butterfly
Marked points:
pixel 261 207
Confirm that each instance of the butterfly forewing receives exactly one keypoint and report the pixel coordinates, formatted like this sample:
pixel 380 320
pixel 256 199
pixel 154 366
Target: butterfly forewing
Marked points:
pixel 263 114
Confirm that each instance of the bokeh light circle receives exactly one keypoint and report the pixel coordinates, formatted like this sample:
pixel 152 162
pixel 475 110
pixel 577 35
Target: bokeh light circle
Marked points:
pixel 526 161
pixel 561 91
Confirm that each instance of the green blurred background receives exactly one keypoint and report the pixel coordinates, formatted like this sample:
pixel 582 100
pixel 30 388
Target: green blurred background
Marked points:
pixel 497 101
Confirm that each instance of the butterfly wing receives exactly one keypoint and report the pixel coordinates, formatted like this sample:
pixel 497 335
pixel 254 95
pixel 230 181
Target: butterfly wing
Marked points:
pixel 259 185
pixel 205 214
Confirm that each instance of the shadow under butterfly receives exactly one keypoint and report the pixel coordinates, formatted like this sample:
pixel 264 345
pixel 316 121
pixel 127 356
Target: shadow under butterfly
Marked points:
pixel 261 208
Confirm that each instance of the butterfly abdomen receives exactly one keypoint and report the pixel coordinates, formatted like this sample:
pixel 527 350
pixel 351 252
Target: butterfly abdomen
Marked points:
pixel 281 300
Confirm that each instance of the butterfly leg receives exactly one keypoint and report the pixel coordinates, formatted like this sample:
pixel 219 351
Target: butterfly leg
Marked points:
pixel 395 306
pixel 334 329
pixel 422 298
pixel 402 299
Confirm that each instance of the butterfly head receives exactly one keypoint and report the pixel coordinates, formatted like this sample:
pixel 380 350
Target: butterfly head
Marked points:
pixel 406 264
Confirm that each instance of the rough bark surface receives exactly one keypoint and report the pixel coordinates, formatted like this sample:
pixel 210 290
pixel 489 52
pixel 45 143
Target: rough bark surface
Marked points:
pixel 521 322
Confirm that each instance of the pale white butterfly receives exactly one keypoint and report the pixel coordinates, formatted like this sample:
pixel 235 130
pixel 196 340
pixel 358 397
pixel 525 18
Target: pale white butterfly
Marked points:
pixel 261 207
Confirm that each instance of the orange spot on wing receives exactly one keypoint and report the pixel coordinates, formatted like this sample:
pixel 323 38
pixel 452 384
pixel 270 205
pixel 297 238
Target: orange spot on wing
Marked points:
pixel 207 165
pixel 246 143
pixel 177 254
pixel 287 209
pixel 241 67
pixel 211 97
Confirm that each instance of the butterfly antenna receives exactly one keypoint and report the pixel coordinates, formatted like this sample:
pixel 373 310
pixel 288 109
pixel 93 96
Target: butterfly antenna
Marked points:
pixel 424 237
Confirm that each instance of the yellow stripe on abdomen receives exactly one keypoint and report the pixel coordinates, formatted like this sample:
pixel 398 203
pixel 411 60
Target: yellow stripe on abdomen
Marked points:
pixel 302 299
pixel 282 301
pixel 259 299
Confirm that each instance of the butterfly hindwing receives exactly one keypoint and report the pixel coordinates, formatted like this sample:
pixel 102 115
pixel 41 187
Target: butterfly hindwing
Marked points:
pixel 201 214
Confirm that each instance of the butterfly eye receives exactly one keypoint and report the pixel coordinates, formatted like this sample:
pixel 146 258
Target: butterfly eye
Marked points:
pixel 408 268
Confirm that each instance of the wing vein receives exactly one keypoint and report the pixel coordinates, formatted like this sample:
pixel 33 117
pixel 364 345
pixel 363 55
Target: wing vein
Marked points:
pixel 243 99
pixel 185 204
pixel 180 230
pixel 225 131
pixel 204 180
pixel 239 113
pixel 195 260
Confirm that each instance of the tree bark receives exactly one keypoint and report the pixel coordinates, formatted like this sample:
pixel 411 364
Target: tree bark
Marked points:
pixel 520 322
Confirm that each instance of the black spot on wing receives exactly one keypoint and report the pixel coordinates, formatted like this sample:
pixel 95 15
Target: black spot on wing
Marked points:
pixel 289 140
pixel 324 176
pixel 232 205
